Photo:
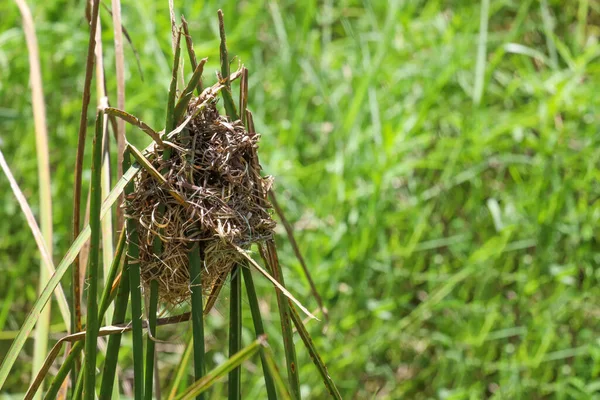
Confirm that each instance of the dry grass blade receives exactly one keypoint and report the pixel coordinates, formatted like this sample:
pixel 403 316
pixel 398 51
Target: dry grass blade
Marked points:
pixel 274 282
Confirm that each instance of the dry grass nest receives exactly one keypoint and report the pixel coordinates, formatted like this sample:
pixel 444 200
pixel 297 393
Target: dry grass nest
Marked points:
pixel 213 166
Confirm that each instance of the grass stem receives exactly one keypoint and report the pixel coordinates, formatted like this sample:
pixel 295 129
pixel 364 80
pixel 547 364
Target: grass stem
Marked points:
pixel 94 259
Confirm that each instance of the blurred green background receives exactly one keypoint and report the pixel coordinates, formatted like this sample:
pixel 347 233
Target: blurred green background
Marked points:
pixel 442 180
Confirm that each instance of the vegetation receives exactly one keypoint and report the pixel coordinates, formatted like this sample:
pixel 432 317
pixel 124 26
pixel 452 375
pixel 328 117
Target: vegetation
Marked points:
pixel 439 163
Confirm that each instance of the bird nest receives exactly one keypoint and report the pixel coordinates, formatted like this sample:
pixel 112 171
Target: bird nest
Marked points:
pixel 214 197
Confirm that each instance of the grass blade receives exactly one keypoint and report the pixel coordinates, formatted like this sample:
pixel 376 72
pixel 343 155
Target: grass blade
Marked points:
pixel 226 92
pixel 136 297
pixel 112 274
pixel 183 364
pixel 270 256
pixel 188 92
pixel 259 330
pixel 94 259
pixel 195 259
pixel 234 361
pixel 235 331
pixel 114 342
pixel 314 355
pixel 481 52
pixel 273 280
pixel 120 75
pixel 64 371
pixel 41 145
pixel 126 117
pixel 76 292
pixel 102 101
pixel 150 345
pixel 170 122
pixel 548 32
pixel 272 368
pixel 191 52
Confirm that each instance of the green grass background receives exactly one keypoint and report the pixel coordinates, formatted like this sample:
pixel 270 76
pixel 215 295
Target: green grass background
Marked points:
pixel 455 244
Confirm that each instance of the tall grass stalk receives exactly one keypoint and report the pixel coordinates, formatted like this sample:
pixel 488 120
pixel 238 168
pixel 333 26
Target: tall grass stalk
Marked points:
pixel 136 296
pixel 41 138
pixel 314 355
pixel 182 366
pixel 258 329
pixel 150 344
pixel 232 362
pixel 114 342
pixel 93 276
pixel 195 259
pixel 235 331
pixel 270 257
pixel 120 75
pixel 76 292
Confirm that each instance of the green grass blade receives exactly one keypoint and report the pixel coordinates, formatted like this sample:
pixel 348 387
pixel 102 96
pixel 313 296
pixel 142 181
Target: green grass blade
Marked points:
pixel 226 92
pixel 270 257
pixel 85 102
pixel 234 361
pixel 108 255
pixel 136 296
pixel 188 92
pixel 183 363
pixel 78 390
pixel 191 52
pixel 235 331
pixel 170 122
pixel 481 52
pixel 267 354
pixel 114 342
pixel 110 277
pixel 548 23
pixel 150 345
pixel 314 355
pixel 258 329
pixel 195 259
pixel 64 371
pixel 120 80
pixel 94 260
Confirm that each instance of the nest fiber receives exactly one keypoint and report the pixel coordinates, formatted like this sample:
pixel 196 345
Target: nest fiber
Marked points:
pixel 213 166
